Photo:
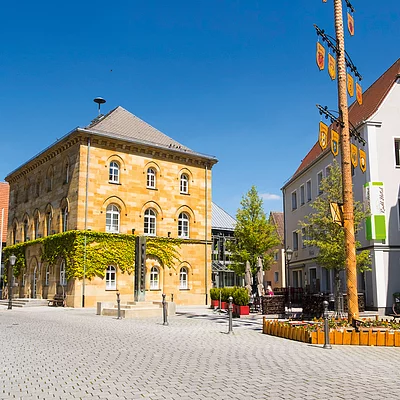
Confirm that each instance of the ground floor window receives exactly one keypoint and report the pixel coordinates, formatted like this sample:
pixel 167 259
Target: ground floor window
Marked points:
pixel 111 278
pixel 154 278
pixel 183 278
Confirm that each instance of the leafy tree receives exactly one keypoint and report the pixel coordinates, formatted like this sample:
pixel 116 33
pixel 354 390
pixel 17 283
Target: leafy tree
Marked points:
pixel 254 235
pixel 327 235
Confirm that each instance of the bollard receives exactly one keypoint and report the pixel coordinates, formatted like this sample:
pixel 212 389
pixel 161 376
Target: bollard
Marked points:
pixel 165 313
pixel 230 309
pixel 327 344
pixel 119 306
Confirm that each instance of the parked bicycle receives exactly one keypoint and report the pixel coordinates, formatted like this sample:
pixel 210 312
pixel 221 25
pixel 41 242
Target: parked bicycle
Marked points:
pixel 396 303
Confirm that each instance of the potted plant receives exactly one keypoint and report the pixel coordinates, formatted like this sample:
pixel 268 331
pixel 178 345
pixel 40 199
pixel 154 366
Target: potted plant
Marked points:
pixel 214 294
pixel 241 300
pixel 226 292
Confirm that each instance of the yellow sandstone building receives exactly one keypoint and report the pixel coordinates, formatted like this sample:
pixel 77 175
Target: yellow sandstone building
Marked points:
pixel 116 178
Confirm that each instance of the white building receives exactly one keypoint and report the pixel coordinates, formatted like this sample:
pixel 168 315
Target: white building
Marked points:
pixel 378 122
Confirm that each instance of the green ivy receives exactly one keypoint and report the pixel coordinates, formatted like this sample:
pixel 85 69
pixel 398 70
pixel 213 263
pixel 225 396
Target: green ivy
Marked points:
pixel 87 253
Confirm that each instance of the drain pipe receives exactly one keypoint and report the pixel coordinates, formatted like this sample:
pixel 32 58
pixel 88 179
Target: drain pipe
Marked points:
pixel 86 217
pixel 205 234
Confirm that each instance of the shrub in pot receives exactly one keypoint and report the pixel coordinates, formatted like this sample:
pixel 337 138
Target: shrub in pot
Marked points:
pixel 214 294
pixel 241 300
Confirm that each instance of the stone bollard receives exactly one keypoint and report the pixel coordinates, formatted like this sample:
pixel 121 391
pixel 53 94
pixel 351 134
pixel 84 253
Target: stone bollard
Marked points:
pixel 327 344
pixel 119 306
pixel 165 310
pixel 230 310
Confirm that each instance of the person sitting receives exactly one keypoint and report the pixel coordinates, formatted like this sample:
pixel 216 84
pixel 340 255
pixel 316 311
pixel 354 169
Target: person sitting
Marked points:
pixel 270 292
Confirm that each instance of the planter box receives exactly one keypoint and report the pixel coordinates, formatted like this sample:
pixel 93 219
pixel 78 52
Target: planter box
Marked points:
pixel 241 310
pixel 214 303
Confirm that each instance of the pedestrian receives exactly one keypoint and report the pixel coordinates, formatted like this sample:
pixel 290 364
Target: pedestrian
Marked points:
pixel 270 292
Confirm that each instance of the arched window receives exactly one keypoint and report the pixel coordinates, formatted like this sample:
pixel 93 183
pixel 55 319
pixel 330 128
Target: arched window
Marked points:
pixel 183 278
pixel 183 225
pixel 66 172
pixel 112 219
pixel 64 218
pixel 114 172
pixel 26 230
pixel 47 276
pixel 49 219
pixel 36 224
pixel 14 234
pixel 151 178
pixel 63 275
pixel 111 278
pixel 49 180
pixel 184 184
pixel 150 219
pixel 154 278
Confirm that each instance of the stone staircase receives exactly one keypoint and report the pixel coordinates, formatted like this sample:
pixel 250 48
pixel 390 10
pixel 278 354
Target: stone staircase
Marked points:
pixel 135 309
pixel 25 302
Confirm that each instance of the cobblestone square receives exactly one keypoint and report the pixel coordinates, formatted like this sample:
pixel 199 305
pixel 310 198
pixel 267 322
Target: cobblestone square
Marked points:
pixel 64 353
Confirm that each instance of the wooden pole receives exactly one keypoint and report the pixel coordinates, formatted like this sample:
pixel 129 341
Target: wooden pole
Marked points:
pixel 348 215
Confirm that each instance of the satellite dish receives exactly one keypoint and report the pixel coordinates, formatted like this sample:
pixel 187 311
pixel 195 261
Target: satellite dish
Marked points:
pixel 99 101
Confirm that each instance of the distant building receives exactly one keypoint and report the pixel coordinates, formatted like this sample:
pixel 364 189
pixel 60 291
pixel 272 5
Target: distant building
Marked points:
pixel 222 231
pixel 118 175
pixel 276 275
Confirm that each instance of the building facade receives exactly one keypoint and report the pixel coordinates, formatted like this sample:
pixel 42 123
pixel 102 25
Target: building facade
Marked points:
pixel 378 121
pixel 276 275
pixel 118 175
pixel 4 198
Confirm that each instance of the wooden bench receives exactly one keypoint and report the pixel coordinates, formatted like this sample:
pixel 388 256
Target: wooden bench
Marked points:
pixel 57 300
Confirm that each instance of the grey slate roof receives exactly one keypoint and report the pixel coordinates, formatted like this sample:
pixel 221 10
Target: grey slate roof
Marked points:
pixel 124 124
pixel 220 219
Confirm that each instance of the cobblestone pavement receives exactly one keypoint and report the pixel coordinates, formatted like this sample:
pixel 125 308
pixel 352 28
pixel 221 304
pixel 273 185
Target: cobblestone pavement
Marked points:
pixel 57 353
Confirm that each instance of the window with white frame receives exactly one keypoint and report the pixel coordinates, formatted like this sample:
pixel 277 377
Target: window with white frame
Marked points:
pixel 23 277
pixel 113 175
pixel 294 200
pixel 303 237
pixel 327 170
pixel 295 240
pixel 276 276
pixel 150 219
pixel 63 276
pixel 112 219
pixel 319 181
pixel 154 278
pixel 276 256
pixel 183 278
pixel 397 152
pixel 309 192
pixel 184 184
pixel 47 276
pixel 302 195
pixel 183 225
pixel 111 278
pixel 151 178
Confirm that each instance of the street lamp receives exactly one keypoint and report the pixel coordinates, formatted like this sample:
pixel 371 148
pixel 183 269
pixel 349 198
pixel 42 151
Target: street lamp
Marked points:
pixel 288 257
pixel 12 259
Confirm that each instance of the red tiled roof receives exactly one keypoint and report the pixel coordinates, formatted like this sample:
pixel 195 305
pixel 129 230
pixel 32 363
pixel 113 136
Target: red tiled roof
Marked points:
pixel 277 219
pixel 372 99
pixel 4 196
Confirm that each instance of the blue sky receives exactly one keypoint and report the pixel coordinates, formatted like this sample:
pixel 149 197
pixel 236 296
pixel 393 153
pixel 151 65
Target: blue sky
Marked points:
pixel 232 78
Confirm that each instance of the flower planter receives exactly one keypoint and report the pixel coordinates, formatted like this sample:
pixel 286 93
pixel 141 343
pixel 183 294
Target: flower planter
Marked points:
pixel 214 303
pixel 241 310
pixel 224 305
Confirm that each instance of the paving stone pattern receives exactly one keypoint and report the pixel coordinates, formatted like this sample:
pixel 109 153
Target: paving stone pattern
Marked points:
pixel 61 353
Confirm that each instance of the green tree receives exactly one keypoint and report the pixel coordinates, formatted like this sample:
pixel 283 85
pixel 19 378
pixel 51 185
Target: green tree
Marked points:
pixel 254 235
pixel 328 236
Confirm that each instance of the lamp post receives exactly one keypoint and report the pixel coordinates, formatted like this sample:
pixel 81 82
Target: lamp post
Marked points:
pixel 12 259
pixel 288 257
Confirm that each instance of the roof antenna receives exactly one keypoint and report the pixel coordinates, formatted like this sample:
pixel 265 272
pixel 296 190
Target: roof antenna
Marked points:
pixel 99 100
